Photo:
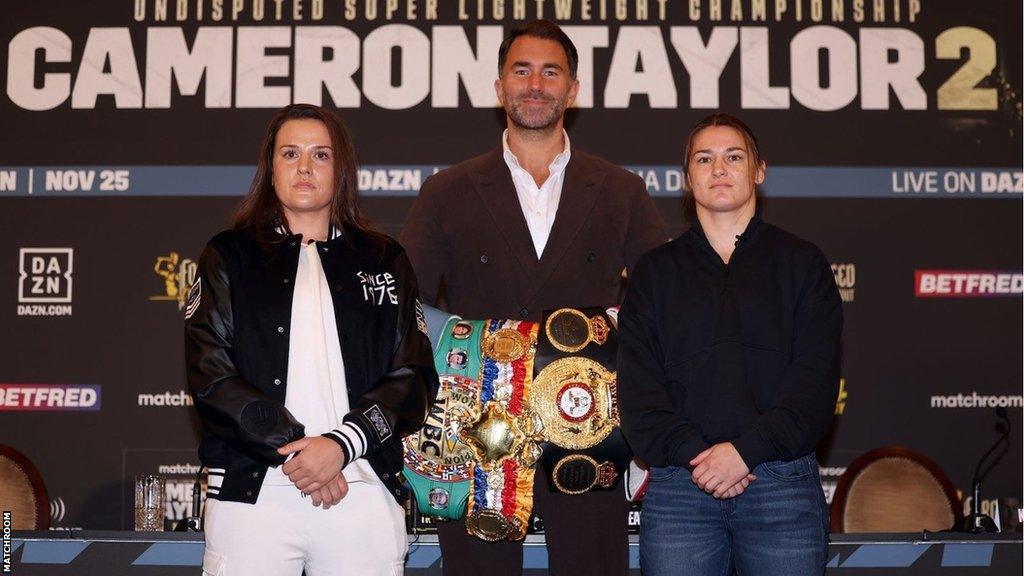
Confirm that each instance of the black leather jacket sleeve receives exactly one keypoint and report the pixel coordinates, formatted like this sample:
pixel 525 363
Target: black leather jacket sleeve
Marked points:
pixel 397 404
pixel 229 407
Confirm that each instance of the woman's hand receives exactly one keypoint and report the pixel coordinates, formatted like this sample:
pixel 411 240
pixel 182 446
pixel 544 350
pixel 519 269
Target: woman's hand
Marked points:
pixel 319 460
pixel 332 493
pixel 718 469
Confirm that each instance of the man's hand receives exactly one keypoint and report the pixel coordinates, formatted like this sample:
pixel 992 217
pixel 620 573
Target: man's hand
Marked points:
pixel 321 460
pixel 719 469
pixel 332 493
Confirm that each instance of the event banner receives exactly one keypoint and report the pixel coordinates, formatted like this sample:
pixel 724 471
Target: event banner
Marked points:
pixel 891 128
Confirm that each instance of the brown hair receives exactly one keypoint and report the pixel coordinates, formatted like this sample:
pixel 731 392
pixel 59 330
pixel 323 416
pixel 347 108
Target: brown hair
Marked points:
pixel 729 121
pixel 545 30
pixel 260 211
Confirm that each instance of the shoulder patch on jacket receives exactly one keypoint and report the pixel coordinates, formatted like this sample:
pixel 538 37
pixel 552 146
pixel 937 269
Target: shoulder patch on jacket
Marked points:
pixel 380 424
pixel 195 295
pixel 421 319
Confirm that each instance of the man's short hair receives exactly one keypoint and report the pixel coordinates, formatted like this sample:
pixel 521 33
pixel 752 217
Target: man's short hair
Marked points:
pixel 546 30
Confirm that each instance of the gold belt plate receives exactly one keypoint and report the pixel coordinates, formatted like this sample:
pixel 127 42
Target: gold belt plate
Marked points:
pixel 572 398
pixel 570 330
pixel 506 345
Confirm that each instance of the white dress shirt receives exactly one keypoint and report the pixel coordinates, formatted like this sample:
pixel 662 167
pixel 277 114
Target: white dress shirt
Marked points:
pixel 539 204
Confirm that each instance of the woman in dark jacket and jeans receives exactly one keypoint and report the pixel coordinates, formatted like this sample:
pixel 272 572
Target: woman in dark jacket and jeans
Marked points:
pixel 308 361
pixel 728 374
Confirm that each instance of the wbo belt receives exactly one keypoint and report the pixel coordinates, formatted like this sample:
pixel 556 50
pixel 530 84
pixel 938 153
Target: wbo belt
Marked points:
pixel 575 396
pixel 438 464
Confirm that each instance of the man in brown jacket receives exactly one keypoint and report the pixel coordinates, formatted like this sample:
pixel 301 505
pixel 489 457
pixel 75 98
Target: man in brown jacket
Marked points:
pixel 527 227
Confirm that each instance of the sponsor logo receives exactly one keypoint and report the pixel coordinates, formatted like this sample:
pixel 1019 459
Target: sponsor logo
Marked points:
pixel 967 283
pixel 841 399
pixel 830 479
pixel 179 398
pixel 975 400
pixel 49 397
pixel 176 274
pixel 846 280
pixel 44 281
pixel 185 468
pixel 58 510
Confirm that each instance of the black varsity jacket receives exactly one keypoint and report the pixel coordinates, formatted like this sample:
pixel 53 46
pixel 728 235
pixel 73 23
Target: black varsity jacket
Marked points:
pixel 237 323
pixel 746 352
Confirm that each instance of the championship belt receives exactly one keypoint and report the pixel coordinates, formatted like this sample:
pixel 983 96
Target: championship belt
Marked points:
pixel 503 434
pixel 438 464
pixel 597 468
pixel 575 396
pixel 458 352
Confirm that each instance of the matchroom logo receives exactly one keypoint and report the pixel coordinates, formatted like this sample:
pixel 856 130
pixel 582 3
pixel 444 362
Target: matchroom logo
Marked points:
pixel 975 400
pixel 44 281
pixel 968 283
pixel 179 398
pixel 49 397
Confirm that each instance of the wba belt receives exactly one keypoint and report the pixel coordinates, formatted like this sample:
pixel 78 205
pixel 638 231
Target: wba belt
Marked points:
pixel 575 397
pixel 503 434
pixel 438 464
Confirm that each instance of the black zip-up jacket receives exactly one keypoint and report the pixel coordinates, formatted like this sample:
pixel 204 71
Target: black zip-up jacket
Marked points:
pixel 237 326
pixel 746 352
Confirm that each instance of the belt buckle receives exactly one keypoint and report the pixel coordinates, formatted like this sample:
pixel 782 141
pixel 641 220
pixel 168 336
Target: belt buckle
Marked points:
pixel 490 525
pixel 506 345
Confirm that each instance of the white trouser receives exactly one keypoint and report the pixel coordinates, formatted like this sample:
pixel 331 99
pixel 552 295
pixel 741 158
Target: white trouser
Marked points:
pixel 283 534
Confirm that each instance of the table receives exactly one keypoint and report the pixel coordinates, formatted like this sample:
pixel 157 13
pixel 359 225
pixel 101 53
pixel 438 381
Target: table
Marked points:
pixel 108 553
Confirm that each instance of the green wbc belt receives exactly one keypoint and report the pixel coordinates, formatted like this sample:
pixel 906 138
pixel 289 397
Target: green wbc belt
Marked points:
pixel 438 465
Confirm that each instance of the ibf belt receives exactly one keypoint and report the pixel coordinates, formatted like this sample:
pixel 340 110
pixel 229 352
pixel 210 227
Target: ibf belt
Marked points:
pixel 575 395
pixel 438 465
pixel 503 434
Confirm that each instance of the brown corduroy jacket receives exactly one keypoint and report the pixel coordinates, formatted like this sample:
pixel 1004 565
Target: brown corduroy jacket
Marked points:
pixel 467 229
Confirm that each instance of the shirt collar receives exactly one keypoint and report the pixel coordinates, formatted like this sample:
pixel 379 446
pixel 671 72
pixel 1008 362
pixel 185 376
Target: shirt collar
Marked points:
pixel 334 232
pixel 557 164
pixel 753 227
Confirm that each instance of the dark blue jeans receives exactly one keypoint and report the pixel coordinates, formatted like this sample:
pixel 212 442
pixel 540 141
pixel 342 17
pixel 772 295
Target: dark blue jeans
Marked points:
pixel 779 526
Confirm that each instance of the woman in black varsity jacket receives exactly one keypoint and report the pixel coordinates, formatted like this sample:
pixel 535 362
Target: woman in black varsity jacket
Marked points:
pixel 729 342
pixel 308 361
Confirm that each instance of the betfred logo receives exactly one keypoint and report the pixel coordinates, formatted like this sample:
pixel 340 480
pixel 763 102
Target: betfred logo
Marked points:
pixel 49 397
pixel 44 281
pixel 967 283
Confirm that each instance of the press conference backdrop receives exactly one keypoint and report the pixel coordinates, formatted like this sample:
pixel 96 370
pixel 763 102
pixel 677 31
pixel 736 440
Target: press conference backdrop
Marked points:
pixel 892 129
